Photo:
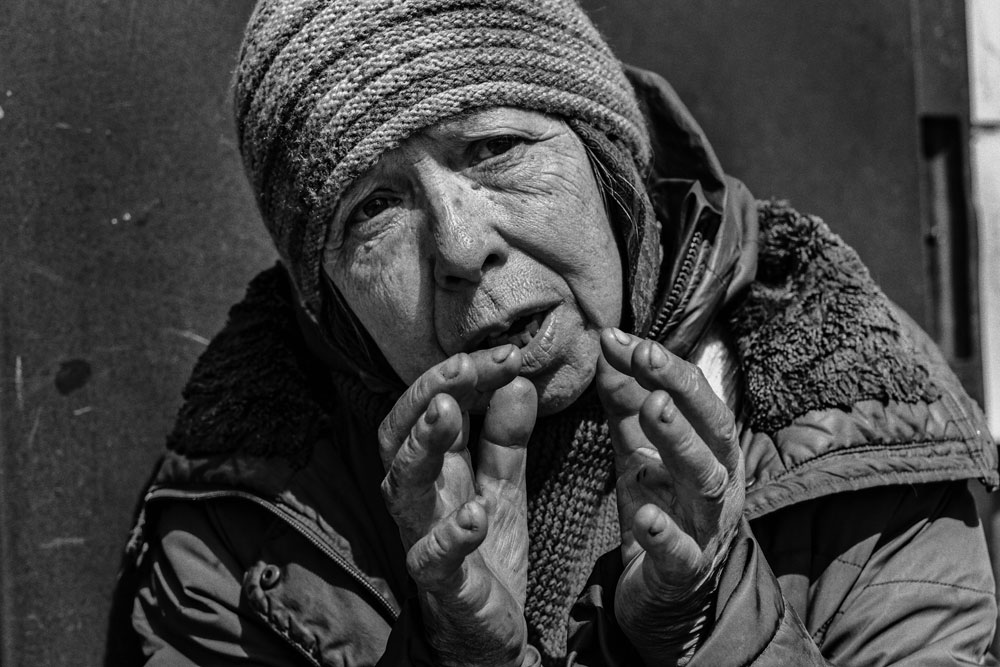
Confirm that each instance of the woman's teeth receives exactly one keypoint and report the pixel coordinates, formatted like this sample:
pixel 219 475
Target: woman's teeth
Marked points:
pixel 520 332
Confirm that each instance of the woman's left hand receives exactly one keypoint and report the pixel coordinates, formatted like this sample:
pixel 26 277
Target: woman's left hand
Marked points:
pixel 680 491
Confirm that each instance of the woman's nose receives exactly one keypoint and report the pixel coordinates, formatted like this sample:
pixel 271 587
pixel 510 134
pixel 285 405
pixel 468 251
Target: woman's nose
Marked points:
pixel 465 236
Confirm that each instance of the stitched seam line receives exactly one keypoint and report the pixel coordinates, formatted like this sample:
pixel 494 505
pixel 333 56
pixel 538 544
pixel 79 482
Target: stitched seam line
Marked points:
pixel 820 635
pixel 886 446
pixel 756 660
pixel 896 477
pixel 928 581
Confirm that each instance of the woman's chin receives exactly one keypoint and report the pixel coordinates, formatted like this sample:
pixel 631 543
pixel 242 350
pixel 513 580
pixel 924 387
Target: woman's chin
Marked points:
pixel 558 392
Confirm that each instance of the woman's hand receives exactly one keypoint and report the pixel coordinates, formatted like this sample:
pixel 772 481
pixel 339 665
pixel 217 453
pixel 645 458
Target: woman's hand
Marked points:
pixel 680 492
pixel 465 530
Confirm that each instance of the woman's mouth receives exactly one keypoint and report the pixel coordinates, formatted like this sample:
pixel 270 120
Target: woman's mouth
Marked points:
pixel 536 334
pixel 541 336
pixel 520 332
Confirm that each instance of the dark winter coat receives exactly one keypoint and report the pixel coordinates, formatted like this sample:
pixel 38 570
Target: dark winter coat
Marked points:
pixel 263 539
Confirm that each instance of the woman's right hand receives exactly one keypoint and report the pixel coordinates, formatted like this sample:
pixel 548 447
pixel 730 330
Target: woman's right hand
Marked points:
pixel 464 529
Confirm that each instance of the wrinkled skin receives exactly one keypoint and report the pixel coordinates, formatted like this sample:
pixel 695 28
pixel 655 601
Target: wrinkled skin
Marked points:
pixel 680 491
pixel 467 228
pixel 479 257
pixel 465 530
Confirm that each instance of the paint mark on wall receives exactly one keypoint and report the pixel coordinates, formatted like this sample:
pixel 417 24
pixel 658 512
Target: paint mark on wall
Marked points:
pixel 33 433
pixel 19 382
pixel 42 270
pixel 60 542
pixel 72 375
pixel 141 215
pixel 188 334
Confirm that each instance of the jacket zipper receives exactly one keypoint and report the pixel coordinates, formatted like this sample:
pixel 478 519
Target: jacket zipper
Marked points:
pixel 294 522
pixel 680 287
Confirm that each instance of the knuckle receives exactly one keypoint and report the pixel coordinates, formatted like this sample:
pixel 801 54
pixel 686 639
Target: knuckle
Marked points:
pixel 715 483
pixel 386 441
pixel 417 564
pixel 614 390
pixel 692 379
pixel 520 388
pixel 413 446
pixel 730 434
pixel 427 557
pixel 422 388
pixel 606 377
pixel 613 385
pixel 437 545
pixel 688 446
pixel 389 488
pixel 393 494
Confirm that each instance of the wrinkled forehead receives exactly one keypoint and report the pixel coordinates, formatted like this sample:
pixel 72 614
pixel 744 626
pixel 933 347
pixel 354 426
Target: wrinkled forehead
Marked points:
pixel 458 132
pixel 453 144
pixel 491 120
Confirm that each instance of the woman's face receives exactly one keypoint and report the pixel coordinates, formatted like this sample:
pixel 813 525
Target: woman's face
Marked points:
pixel 485 229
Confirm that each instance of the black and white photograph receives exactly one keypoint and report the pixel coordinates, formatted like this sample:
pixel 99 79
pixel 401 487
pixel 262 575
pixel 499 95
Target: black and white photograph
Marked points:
pixel 499 333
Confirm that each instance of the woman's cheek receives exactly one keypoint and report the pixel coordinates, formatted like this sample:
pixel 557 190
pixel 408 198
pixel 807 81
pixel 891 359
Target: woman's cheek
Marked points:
pixel 387 293
pixel 574 239
pixel 381 275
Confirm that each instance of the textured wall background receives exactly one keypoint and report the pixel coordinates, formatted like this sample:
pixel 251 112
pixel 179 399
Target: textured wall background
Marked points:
pixel 126 230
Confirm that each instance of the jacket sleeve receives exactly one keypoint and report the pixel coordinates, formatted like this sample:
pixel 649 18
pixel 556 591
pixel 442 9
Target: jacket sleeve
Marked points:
pixel 892 576
pixel 189 607
pixel 194 602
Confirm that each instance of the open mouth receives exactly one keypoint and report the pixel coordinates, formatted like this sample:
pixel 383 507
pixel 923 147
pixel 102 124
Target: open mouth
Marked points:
pixel 519 333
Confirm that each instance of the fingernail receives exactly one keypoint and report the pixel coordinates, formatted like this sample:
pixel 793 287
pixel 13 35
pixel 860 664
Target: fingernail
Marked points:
pixel 669 412
pixel 432 413
pixel 620 336
pixel 502 354
pixel 657 357
pixel 657 525
pixel 451 368
pixel 465 518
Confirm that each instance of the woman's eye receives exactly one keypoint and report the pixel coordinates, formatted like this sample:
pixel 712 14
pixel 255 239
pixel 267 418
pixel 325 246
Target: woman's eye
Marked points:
pixel 496 146
pixel 372 207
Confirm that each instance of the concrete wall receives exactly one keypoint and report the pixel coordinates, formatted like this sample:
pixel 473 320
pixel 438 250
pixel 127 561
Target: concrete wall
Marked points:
pixel 126 230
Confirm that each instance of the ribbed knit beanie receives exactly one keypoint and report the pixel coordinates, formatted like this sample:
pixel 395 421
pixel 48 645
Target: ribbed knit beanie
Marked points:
pixel 324 87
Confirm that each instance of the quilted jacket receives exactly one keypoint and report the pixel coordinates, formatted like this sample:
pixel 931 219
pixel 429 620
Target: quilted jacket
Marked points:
pixel 861 544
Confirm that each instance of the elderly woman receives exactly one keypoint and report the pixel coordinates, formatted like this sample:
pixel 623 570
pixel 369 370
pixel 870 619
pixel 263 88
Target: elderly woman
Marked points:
pixel 536 383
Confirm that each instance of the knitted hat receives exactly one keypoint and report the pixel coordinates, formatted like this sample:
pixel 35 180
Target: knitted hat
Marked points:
pixel 325 87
